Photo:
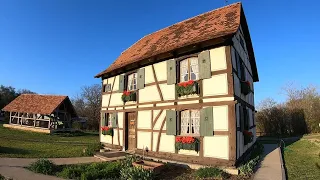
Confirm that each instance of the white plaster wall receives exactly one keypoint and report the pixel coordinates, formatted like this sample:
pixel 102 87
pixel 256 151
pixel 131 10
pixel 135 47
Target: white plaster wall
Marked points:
pixel 105 100
pixel 106 139
pixel 188 152
pixel 145 105
pixel 161 70
pixel 116 84
pixel 155 140
pixel 189 102
pixel 149 94
pixel 217 85
pixel 120 119
pixel 144 119
pixel 159 121
pixel 144 140
pixel 167 143
pixel 116 99
pixel 218 58
pixel 220 118
pixel 149 78
pixel 164 104
pixel 168 91
pixel 216 146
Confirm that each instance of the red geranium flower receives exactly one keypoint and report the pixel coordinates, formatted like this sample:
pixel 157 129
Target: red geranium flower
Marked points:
pixel 178 139
pixel 126 93
pixel 190 82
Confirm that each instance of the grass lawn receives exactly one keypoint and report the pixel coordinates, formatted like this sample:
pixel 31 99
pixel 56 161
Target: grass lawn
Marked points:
pixel 302 158
pixel 16 143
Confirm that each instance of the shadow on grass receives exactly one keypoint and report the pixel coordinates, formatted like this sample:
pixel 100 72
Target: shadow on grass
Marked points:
pixel 10 150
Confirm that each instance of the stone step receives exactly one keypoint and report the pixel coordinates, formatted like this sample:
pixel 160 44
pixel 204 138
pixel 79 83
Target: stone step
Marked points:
pixel 111 156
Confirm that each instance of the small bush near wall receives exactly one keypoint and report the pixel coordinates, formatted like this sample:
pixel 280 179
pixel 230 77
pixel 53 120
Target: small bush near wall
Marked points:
pixel 247 168
pixel 92 149
pixel 211 172
pixel 136 173
pixel 43 166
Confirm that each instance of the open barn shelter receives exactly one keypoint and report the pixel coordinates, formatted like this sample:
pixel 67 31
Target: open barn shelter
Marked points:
pixel 40 113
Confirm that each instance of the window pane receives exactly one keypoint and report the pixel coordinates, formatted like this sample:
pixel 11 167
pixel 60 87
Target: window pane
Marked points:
pixel 185 116
pixel 132 81
pixel 194 68
pixel 184 70
pixel 195 121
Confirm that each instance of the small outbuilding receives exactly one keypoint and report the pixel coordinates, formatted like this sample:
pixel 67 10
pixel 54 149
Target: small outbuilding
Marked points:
pixel 40 113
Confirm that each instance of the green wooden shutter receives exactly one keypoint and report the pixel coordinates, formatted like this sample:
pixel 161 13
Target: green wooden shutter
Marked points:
pixel 103 119
pixel 171 72
pixel 241 119
pixel 204 65
pixel 114 118
pixel 140 78
pixel 206 121
pixel 246 118
pixel 121 83
pixel 171 122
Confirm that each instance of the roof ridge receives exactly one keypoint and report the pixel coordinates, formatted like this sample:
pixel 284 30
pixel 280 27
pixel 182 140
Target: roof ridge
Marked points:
pixel 181 22
pixel 44 95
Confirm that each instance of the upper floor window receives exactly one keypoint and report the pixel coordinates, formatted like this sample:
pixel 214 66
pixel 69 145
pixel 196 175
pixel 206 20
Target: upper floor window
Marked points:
pixel 106 87
pixel 189 69
pixel 190 122
pixel 132 82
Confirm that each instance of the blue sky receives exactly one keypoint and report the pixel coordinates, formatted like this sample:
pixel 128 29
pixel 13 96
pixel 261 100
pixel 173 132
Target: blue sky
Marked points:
pixel 57 46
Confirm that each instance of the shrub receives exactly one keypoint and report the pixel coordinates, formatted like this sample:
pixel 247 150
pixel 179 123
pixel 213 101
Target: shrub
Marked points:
pixel 136 173
pixel 43 166
pixel 106 170
pixel 92 149
pixel 212 172
pixel 127 162
pixel 247 168
pixel 72 172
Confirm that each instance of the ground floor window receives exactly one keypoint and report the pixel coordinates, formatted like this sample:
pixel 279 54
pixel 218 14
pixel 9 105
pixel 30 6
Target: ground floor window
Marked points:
pixel 190 122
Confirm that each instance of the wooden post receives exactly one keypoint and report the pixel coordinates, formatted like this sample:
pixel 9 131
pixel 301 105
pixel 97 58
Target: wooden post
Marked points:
pixel 34 119
pixel 20 118
pixel 49 122
pixel 10 118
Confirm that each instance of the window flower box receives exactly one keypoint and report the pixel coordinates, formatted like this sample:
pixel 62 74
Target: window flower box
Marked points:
pixel 245 87
pixel 128 96
pixel 187 88
pixel 248 137
pixel 187 143
pixel 107 131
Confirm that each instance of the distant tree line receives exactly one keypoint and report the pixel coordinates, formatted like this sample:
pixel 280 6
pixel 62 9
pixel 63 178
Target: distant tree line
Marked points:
pixel 298 115
pixel 88 105
pixel 9 93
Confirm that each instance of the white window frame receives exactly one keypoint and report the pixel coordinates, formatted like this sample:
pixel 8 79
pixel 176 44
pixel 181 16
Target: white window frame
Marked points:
pixel 186 66
pixel 132 82
pixel 190 123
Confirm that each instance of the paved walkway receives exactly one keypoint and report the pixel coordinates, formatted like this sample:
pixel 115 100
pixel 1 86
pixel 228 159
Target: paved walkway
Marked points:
pixel 271 167
pixel 14 167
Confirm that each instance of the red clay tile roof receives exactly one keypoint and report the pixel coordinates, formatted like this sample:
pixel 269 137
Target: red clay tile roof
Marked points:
pixel 34 103
pixel 211 25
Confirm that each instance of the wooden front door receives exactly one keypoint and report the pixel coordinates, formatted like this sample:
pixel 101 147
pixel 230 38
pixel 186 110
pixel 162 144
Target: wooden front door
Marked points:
pixel 131 135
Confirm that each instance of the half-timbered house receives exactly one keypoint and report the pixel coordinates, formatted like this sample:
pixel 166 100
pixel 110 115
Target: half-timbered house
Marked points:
pixel 185 92
pixel 40 113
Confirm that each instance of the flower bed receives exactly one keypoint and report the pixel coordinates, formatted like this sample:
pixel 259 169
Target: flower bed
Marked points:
pixel 187 88
pixel 245 87
pixel 107 131
pixel 128 96
pixel 187 143
pixel 248 137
